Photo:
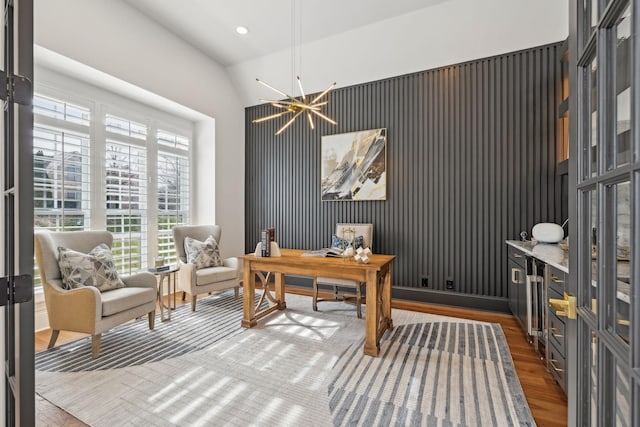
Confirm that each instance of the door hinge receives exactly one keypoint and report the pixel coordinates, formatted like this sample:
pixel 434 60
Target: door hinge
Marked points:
pixel 16 89
pixel 16 289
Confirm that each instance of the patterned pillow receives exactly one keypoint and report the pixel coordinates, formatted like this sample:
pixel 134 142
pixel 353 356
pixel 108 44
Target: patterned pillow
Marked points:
pixel 340 243
pixel 202 254
pixel 93 269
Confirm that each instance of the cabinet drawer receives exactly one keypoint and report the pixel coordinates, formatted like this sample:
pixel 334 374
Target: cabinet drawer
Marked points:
pixel 556 279
pixel 556 365
pixel 518 256
pixel 556 332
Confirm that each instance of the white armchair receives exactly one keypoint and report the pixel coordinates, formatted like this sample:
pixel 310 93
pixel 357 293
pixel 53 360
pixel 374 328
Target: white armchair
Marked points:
pixel 86 309
pixel 205 280
pixel 364 230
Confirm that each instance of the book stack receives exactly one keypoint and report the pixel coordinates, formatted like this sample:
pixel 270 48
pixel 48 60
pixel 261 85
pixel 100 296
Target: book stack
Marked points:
pixel 267 236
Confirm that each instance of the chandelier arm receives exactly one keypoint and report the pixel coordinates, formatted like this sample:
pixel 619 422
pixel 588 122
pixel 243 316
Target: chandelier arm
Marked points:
pixel 282 104
pixel 276 90
pixel 304 98
pixel 310 120
pixel 293 119
pixel 273 116
pixel 333 122
pixel 323 93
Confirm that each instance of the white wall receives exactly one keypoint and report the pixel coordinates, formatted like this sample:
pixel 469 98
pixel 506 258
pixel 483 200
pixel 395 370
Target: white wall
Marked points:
pixel 450 32
pixel 114 38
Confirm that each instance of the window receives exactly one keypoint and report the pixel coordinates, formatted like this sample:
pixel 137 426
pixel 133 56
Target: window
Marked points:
pixel 126 203
pixel 128 175
pixel 173 192
pixel 61 170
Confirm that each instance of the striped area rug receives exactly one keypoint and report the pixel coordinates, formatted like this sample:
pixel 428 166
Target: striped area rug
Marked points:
pixel 134 344
pixel 297 367
pixel 436 373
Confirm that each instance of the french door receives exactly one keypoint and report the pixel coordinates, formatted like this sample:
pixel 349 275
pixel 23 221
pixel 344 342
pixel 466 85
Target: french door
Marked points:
pixel 604 358
pixel 16 233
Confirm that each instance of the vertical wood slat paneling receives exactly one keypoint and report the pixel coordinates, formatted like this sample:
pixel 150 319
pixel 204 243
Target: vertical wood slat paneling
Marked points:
pixel 471 157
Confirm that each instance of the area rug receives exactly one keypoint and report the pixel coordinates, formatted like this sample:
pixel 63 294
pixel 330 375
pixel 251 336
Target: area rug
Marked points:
pixel 297 367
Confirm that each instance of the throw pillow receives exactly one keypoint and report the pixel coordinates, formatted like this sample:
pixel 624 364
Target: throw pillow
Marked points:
pixel 202 254
pixel 340 243
pixel 93 269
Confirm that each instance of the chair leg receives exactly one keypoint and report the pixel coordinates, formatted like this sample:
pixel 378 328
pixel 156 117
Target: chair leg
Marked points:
pixel 236 292
pixel 194 298
pixel 152 319
pixel 95 345
pixel 315 294
pixel 54 337
pixel 184 295
pixel 359 301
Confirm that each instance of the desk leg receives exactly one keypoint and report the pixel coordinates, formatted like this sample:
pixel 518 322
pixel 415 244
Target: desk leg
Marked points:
pixel 280 291
pixel 248 296
pixel 386 300
pixel 372 321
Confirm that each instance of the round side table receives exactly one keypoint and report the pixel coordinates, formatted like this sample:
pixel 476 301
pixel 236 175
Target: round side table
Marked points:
pixel 170 275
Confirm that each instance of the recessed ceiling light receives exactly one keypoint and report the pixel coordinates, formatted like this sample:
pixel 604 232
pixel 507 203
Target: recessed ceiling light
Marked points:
pixel 242 30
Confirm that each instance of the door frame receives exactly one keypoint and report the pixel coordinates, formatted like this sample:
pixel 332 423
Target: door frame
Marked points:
pixel 18 373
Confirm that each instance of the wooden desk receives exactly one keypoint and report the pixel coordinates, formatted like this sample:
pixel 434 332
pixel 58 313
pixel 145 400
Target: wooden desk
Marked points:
pixel 376 275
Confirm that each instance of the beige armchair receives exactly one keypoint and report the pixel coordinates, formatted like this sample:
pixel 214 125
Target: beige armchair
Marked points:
pixel 86 309
pixel 204 280
pixel 364 230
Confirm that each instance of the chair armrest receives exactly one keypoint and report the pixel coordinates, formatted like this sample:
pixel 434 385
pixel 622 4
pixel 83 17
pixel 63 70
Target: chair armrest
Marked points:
pixel 140 280
pixel 233 262
pixel 74 309
pixel 187 276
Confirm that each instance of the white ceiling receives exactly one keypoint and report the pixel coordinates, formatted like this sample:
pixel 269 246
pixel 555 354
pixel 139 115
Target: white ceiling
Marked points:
pixel 209 25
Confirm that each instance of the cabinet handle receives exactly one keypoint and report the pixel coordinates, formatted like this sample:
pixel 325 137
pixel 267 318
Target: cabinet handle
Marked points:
pixel 513 276
pixel 553 332
pixel 516 255
pixel 556 279
pixel 552 362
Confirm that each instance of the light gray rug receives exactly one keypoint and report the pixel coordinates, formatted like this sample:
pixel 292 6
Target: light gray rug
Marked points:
pixel 297 367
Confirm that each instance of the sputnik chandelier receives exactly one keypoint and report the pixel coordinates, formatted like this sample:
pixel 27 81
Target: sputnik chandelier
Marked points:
pixel 296 106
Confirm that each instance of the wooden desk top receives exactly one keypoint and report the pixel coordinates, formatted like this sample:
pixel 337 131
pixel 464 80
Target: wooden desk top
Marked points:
pixel 292 259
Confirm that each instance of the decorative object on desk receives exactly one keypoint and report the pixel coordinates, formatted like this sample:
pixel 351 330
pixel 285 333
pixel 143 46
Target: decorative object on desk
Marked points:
pixel 362 255
pixel 294 105
pixel 340 243
pixel 354 166
pixel 547 232
pixel 274 250
pixel 267 236
pixel 325 252
pixel 158 261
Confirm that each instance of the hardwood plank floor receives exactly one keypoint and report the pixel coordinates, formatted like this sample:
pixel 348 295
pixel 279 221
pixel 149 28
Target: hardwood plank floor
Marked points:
pixel 546 399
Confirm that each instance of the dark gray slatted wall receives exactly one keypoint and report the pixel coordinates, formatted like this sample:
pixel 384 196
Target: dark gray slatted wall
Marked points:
pixel 471 162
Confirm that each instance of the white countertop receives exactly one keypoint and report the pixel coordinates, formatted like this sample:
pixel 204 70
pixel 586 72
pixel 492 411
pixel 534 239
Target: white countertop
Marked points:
pixel 552 254
pixel 549 253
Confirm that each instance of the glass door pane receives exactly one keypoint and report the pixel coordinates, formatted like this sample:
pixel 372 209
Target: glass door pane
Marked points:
pixel 619 200
pixel 619 149
pixel 590 129
pixel 588 277
pixel 622 397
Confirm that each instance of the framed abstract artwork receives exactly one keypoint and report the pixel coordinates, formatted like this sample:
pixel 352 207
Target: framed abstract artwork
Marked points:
pixel 354 166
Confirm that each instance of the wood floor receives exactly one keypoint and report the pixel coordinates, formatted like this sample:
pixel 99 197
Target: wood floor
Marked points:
pixel 546 400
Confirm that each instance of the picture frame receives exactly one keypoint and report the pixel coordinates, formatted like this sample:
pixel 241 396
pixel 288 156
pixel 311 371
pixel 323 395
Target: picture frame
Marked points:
pixel 354 166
